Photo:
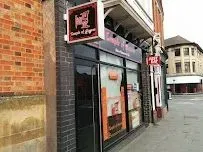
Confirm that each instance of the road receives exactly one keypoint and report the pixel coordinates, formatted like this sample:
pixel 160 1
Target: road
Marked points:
pixel 180 131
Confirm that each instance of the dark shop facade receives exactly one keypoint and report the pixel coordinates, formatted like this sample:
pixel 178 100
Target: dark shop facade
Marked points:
pixel 102 86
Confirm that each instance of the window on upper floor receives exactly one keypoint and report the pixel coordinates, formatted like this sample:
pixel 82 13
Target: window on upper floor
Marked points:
pixel 193 66
pixel 178 67
pixel 186 51
pixel 193 51
pixel 177 52
pixel 187 67
pixel 167 70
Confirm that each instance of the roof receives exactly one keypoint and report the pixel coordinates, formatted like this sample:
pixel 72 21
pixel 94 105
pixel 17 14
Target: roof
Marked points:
pixel 178 41
pixel 175 41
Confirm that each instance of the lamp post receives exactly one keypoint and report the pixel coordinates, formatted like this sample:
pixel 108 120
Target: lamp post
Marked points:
pixel 174 87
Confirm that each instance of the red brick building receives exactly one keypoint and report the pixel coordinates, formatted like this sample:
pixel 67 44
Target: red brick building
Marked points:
pixel 158 16
pixel 22 101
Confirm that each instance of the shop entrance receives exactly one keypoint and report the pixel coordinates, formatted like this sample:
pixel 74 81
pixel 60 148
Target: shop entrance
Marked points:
pixel 87 106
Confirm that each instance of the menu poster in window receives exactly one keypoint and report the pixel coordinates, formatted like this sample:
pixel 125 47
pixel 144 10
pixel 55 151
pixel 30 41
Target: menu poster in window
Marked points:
pixel 134 119
pixel 133 100
pixel 114 115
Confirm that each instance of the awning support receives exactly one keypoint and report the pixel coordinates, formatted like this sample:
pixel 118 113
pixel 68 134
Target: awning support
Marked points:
pixel 120 22
pixel 109 10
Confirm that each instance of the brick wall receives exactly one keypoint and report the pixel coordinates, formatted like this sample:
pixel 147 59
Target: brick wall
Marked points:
pixel 21 54
pixel 66 132
pixel 146 89
pixel 22 96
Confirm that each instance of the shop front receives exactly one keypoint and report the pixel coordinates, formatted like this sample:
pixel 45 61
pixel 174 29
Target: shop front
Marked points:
pixel 99 88
pixel 185 84
pixel 107 92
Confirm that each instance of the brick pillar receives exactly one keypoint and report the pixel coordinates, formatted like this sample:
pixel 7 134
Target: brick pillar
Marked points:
pixel 50 73
pixel 146 89
pixel 66 136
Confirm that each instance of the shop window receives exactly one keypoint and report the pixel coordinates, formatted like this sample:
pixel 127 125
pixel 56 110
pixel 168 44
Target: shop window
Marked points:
pixel 177 52
pixel 186 51
pixel 106 57
pixel 178 67
pixel 113 102
pixel 85 51
pixel 187 67
pixel 193 66
pixel 132 65
pixel 134 99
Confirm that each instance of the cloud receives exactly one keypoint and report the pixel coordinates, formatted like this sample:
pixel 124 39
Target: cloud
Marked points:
pixel 184 17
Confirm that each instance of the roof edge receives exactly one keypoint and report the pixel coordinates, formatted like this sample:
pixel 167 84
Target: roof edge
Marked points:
pixel 192 43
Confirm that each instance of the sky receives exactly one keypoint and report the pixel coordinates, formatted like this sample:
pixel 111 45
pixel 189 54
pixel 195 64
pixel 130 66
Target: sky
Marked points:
pixel 184 18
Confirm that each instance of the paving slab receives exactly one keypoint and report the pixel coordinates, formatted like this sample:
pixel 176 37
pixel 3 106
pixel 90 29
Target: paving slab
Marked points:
pixel 180 131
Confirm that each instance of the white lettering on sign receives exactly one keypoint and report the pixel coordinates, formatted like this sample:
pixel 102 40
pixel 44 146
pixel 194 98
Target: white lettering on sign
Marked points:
pixel 153 60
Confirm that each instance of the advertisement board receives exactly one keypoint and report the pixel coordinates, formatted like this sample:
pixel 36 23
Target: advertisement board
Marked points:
pixel 85 23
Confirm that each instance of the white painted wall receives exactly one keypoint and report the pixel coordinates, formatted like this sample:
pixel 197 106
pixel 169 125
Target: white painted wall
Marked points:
pixel 147 6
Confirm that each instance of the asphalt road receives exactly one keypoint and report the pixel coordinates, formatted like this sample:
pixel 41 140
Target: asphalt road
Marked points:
pixel 180 131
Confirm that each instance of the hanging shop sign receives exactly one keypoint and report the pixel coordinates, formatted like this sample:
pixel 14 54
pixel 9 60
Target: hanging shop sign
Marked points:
pixel 85 23
pixel 153 60
pixel 117 45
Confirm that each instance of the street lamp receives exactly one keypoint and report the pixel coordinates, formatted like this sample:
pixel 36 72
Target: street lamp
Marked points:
pixel 174 87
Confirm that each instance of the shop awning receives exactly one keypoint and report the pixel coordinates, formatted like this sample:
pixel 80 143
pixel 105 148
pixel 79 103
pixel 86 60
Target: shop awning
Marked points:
pixel 131 16
pixel 183 79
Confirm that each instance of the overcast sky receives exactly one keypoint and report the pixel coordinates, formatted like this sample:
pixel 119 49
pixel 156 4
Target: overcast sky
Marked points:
pixel 184 18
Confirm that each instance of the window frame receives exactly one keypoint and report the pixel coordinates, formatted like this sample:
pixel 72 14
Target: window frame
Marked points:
pixel 179 66
pixel 188 65
pixel 186 50
pixel 176 50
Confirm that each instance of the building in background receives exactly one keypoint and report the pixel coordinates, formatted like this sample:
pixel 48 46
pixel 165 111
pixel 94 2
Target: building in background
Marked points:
pixel 184 65
pixel 158 72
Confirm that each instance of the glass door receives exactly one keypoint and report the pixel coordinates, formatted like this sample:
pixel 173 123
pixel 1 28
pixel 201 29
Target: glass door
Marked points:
pixel 87 106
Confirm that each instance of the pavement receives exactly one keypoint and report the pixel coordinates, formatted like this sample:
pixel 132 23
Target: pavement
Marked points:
pixel 180 131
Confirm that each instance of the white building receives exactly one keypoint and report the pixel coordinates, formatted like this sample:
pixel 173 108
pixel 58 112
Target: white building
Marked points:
pixel 185 65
